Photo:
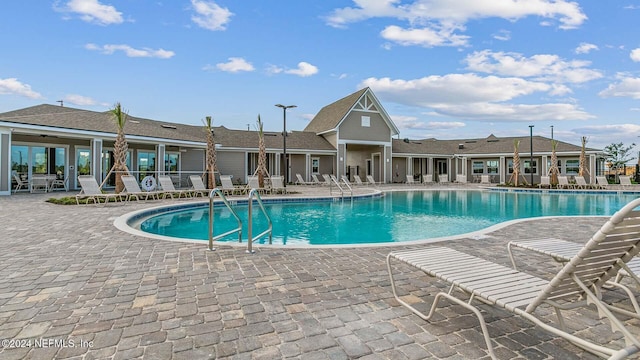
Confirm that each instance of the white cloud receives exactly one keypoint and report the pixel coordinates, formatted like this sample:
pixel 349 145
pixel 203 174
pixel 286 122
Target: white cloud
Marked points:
pixel 79 100
pixel 210 15
pixel 445 125
pixel 234 65
pixel 635 55
pixel 92 11
pixel 502 35
pixel 626 87
pixel 304 69
pixel 12 86
pixel 404 122
pixel 427 37
pixel 109 49
pixel 542 67
pixel 469 96
pixel 433 22
pixel 274 69
pixel 585 48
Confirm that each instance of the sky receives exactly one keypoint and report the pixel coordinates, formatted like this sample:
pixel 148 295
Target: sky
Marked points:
pixel 444 69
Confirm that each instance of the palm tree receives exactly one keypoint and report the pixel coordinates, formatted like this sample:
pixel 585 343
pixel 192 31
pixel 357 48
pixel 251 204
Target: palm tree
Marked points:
pixel 515 176
pixel 262 154
pixel 120 147
pixel 210 163
pixel 582 170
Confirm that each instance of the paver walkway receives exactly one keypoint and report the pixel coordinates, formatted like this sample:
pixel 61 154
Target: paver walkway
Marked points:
pixel 84 290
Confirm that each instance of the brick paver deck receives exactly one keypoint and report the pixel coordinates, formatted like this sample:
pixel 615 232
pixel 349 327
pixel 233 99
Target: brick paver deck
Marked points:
pixel 84 290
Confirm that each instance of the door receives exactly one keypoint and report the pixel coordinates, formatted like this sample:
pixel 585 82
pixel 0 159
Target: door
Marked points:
pixel 441 166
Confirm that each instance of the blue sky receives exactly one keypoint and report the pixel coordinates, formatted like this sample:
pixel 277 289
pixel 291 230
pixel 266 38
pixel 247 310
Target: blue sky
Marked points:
pixel 441 68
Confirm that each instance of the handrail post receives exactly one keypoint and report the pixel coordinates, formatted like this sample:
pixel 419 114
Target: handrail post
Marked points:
pixel 212 194
pixel 250 224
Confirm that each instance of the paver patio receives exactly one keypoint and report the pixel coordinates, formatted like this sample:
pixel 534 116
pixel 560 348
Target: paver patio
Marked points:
pixel 69 277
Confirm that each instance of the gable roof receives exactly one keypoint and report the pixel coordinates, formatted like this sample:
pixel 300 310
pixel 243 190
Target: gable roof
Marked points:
pixel 330 116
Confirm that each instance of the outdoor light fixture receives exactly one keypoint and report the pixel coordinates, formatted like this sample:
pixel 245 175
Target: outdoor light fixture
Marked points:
pixel 531 153
pixel 284 140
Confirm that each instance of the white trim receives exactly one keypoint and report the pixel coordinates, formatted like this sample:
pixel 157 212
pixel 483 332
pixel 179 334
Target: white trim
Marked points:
pixel 363 142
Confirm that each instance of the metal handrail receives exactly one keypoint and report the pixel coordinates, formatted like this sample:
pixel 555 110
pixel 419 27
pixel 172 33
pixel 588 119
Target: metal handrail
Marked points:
pixel 212 238
pixel 348 185
pixel 334 180
pixel 254 193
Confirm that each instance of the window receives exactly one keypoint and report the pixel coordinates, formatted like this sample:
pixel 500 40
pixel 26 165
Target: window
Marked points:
pixel 83 161
pixel 39 160
pixel 530 168
pixel 492 166
pixel 509 166
pixel 146 163
pixel 171 161
pixel 366 121
pixel 477 167
pixel 20 159
pixel 572 167
pixel 315 165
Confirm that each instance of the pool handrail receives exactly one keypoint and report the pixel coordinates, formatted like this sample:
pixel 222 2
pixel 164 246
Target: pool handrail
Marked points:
pixel 254 193
pixel 212 238
pixel 335 181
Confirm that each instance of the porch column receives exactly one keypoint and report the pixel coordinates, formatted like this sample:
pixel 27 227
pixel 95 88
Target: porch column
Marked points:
pixel 96 159
pixel 502 169
pixel 409 165
pixel 307 167
pixel 388 170
pixel 544 167
pixel 430 166
pixel 160 151
pixel 5 161
pixel 592 169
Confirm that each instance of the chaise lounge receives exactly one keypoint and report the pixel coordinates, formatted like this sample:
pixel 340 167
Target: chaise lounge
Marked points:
pixel 577 284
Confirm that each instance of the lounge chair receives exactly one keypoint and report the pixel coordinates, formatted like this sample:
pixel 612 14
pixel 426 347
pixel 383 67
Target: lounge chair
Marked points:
pixel 578 283
pixel 562 251
pixel 443 179
pixel 602 182
pixel 132 190
pixel 581 183
pixel 166 184
pixel 301 181
pixel 345 180
pixel 427 179
pixel 327 179
pixel 316 181
pixel 277 185
pixel 544 182
pixel 625 182
pixel 370 180
pixel 228 188
pixel 254 183
pixel 410 180
pixel 197 186
pixel 485 180
pixel 90 190
pixel 563 183
pixel 358 180
pixel 19 182
pixel 461 179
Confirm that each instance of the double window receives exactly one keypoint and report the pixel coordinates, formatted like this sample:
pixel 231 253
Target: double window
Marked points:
pixel 484 167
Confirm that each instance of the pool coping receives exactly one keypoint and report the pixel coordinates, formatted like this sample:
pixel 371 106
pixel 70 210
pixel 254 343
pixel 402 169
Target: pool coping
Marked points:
pixel 123 222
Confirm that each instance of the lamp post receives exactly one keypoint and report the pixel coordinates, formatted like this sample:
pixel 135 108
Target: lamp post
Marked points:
pixel 551 132
pixel 531 153
pixel 284 140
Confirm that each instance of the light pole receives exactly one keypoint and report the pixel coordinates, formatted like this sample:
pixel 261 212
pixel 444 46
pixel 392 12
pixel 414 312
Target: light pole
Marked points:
pixel 551 132
pixel 284 140
pixel 531 153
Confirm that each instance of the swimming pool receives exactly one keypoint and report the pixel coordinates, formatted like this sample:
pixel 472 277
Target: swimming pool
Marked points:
pixel 396 217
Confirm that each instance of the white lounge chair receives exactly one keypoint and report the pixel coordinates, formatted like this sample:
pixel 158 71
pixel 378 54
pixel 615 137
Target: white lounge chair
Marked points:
pixel 427 179
pixel 563 183
pixel 301 181
pixel 581 183
pixel 316 181
pixel 485 180
pixel 578 283
pixel 19 182
pixel 327 179
pixel 410 180
pixel 166 184
pixel 254 183
pixel 544 182
pixel 90 190
pixel 443 179
pixel 602 182
pixel 132 190
pixel 358 180
pixel 228 188
pixel 370 180
pixel 625 182
pixel 345 180
pixel 461 178
pixel 277 185
pixel 197 186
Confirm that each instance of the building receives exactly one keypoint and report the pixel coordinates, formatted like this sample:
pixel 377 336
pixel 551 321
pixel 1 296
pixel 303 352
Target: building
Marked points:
pixel 352 136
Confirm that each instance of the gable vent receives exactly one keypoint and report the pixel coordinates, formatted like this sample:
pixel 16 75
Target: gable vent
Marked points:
pixel 167 126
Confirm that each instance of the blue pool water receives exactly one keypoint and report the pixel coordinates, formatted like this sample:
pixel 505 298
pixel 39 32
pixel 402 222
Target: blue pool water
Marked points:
pixel 395 217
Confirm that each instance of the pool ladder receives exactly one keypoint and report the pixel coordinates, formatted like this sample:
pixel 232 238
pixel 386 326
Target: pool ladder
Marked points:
pixel 250 238
pixel 335 181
